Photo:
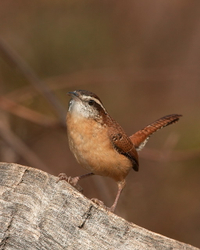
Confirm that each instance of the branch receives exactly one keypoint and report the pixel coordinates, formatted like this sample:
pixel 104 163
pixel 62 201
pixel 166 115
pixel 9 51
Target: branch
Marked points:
pixel 16 61
pixel 20 147
pixel 38 213
pixel 26 113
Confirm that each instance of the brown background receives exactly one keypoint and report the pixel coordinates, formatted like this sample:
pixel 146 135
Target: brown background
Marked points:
pixel 143 59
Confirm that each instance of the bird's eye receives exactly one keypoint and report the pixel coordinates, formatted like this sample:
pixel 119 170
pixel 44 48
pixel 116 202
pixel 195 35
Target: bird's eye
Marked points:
pixel 91 102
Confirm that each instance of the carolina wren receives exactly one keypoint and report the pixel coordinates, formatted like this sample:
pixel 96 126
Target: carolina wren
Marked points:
pixel 100 144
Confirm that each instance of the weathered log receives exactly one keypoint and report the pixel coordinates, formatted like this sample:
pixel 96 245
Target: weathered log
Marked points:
pixel 36 212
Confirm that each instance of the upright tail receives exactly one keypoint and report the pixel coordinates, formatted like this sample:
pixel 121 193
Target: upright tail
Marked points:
pixel 140 138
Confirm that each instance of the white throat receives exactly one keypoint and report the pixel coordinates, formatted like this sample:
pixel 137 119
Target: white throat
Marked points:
pixel 76 107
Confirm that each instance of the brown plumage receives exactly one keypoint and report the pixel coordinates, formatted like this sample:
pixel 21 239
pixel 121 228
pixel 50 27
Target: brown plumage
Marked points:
pixel 122 143
pixel 100 144
pixel 140 138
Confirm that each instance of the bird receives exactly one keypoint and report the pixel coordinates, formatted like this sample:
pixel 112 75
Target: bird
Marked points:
pixel 100 144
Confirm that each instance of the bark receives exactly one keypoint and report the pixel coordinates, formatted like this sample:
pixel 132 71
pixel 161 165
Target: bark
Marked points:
pixel 36 212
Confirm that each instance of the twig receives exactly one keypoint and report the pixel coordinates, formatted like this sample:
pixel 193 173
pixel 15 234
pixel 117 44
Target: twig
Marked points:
pixel 20 147
pixel 16 61
pixel 26 113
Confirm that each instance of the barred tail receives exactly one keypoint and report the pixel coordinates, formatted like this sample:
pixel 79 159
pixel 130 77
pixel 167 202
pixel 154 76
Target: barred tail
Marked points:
pixel 140 138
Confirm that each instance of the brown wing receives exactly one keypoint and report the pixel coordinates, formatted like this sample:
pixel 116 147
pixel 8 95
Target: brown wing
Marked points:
pixel 140 138
pixel 122 143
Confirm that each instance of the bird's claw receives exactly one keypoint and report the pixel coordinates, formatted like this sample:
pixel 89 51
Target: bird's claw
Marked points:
pixel 99 203
pixel 71 180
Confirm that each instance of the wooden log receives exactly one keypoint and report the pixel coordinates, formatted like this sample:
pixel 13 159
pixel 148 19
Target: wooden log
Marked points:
pixel 36 212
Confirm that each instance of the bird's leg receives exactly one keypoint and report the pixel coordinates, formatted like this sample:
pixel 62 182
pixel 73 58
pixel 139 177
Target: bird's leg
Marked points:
pixel 121 185
pixel 73 180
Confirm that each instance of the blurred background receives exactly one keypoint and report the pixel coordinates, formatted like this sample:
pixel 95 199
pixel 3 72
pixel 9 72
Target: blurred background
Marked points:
pixel 142 58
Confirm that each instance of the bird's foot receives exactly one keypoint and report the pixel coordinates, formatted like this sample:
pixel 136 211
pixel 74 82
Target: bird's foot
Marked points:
pixel 71 180
pixel 100 203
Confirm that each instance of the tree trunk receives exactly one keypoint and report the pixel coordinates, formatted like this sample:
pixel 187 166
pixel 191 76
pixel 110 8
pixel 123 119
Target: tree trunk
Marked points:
pixel 36 212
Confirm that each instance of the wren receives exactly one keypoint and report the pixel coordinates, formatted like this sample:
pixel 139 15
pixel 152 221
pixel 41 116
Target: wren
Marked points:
pixel 100 144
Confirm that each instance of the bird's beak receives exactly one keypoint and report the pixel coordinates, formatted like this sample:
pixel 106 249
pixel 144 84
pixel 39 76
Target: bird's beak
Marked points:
pixel 73 94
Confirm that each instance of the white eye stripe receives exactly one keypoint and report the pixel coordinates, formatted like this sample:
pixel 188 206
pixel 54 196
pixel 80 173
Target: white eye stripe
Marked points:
pixel 87 98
